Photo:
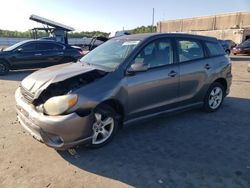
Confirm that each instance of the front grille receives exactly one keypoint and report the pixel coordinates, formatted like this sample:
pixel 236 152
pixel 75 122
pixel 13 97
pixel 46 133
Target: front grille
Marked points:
pixel 29 97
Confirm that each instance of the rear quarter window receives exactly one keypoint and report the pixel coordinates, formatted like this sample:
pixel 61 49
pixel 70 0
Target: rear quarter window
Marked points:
pixel 215 49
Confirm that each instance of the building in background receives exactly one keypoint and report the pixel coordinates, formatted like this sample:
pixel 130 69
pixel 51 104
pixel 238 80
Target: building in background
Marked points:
pixel 231 26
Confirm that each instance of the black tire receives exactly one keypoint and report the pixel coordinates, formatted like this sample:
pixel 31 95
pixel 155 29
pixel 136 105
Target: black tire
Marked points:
pixel 106 111
pixel 235 53
pixel 4 68
pixel 207 107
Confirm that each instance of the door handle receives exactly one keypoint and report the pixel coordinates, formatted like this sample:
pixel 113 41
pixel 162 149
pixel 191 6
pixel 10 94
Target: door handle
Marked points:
pixel 172 74
pixel 38 54
pixel 207 66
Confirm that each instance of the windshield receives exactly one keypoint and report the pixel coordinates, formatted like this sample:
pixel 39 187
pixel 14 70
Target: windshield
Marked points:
pixel 111 53
pixel 245 44
pixel 14 46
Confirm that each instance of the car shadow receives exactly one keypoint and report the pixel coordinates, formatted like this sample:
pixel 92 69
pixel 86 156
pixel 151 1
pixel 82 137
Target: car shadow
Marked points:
pixel 17 75
pixel 179 150
pixel 240 58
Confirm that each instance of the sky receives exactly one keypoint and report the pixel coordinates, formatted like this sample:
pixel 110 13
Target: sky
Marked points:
pixel 109 15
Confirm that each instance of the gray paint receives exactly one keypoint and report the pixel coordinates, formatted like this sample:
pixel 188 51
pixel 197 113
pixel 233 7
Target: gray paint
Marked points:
pixel 141 95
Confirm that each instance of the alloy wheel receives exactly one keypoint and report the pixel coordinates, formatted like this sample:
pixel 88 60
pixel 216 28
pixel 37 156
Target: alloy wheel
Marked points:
pixel 215 97
pixel 102 128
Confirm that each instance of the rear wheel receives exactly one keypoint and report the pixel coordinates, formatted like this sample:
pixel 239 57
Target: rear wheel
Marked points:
pixel 214 97
pixel 4 68
pixel 104 127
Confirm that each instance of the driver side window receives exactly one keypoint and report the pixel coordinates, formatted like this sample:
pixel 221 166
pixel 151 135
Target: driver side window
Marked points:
pixel 155 54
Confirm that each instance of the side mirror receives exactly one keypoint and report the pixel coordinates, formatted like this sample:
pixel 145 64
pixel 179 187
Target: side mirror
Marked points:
pixel 137 67
pixel 19 50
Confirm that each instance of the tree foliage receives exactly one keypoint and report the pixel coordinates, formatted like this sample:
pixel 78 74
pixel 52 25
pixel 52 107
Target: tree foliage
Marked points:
pixel 28 34
pixel 143 29
pixel 87 34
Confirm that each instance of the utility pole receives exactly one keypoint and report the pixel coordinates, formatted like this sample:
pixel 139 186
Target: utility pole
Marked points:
pixel 153 20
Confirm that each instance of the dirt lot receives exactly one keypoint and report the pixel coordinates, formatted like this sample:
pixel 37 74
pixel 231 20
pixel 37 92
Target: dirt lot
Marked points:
pixel 190 149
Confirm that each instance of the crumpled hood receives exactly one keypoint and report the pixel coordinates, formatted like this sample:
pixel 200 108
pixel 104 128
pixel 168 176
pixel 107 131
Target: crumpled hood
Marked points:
pixel 40 79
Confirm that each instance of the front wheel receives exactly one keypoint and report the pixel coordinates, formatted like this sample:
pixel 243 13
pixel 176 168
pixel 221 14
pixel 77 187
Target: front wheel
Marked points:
pixel 214 97
pixel 104 127
pixel 4 68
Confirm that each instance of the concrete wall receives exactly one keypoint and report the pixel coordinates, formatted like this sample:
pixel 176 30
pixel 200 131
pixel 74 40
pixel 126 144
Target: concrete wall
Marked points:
pixel 245 19
pixel 236 35
pixel 217 22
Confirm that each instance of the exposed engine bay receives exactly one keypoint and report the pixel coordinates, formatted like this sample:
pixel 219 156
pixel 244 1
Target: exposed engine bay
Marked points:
pixel 68 85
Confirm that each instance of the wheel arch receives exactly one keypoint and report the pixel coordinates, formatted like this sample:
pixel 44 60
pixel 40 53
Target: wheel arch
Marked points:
pixel 222 81
pixel 116 105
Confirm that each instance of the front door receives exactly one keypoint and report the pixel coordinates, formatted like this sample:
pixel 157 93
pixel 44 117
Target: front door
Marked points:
pixel 51 53
pixel 156 88
pixel 26 55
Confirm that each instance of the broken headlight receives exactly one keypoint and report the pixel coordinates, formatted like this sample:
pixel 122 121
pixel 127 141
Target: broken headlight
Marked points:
pixel 60 104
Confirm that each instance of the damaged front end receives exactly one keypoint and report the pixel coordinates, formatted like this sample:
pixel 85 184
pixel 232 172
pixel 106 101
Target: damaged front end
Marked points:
pixel 46 107
pixel 62 88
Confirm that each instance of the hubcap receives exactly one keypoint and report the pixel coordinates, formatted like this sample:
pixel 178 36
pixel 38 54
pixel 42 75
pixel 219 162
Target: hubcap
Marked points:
pixel 102 128
pixel 215 97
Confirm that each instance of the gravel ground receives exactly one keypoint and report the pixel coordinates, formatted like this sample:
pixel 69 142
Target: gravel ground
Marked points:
pixel 188 149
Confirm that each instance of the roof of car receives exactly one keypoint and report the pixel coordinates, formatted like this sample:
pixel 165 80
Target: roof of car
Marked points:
pixel 40 40
pixel 149 35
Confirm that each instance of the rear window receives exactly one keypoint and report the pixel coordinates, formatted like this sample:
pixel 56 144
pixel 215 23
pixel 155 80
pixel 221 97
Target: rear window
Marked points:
pixel 215 48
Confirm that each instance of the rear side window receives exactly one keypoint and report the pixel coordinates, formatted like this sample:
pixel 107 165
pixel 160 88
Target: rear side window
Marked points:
pixel 215 49
pixel 189 50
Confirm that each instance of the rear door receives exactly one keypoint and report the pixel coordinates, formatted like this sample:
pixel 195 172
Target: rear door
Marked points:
pixel 51 53
pixel 195 69
pixel 155 89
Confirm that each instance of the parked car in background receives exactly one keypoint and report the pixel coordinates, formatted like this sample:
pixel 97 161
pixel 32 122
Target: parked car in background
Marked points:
pixel 36 53
pixel 243 48
pixel 231 43
pixel 123 80
pixel 226 45
pixel 95 41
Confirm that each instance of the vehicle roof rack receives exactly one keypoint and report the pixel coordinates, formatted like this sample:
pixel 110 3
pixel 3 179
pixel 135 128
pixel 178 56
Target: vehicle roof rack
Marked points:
pixel 50 23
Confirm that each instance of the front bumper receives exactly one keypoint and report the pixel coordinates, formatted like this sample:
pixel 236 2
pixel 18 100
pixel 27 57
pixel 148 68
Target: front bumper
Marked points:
pixel 59 132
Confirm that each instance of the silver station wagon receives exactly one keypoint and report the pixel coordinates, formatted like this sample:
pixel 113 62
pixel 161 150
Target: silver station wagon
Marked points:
pixel 125 79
